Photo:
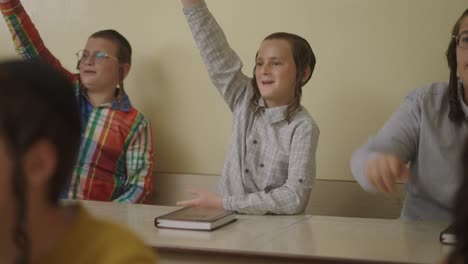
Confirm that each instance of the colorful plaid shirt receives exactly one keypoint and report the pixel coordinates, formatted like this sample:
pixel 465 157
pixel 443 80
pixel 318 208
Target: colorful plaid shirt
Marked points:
pixel 115 160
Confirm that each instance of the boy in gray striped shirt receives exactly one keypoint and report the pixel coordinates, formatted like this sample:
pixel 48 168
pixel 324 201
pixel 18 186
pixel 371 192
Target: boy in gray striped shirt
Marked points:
pixel 427 132
pixel 270 165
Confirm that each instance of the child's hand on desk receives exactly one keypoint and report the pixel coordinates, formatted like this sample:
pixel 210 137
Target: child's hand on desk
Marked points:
pixel 204 199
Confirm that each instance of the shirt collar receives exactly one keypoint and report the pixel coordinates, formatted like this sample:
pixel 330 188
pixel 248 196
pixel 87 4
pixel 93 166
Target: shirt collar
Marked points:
pixel 121 103
pixel 273 114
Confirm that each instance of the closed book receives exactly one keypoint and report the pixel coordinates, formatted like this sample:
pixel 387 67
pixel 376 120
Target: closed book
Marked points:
pixel 447 236
pixel 196 218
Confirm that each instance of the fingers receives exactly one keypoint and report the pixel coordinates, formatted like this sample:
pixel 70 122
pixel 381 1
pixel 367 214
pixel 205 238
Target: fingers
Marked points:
pixel 194 192
pixel 193 202
pixel 377 174
pixel 393 171
pixel 384 171
pixel 387 179
pixel 371 172
pixel 203 199
pixel 404 175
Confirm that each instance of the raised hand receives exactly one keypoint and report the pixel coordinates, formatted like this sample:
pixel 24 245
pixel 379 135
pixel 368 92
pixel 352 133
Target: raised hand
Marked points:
pixel 186 3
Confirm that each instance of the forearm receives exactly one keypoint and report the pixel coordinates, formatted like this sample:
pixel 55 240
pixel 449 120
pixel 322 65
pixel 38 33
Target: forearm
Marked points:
pixel 381 161
pixel 139 162
pixel 138 192
pixel 140 186
pixel 27 40
pixel 223 65
pixel 283 200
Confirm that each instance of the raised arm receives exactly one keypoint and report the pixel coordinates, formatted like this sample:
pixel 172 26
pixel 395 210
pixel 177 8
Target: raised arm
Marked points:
pixel 381 162
pixel 139 157
pixel 223 65
pixel 28 42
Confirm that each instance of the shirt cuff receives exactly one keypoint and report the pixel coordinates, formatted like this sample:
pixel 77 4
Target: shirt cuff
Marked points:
pixel 7 8
pixel 227 203
pixel 360 172
pixel 196 11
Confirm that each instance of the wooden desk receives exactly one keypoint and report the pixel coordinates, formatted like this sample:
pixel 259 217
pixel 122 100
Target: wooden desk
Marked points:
pixel 283 239
pixel 361 239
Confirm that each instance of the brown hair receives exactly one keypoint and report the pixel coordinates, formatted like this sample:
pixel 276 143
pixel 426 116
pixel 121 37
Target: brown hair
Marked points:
pixel 460 214
pixel 37 103
pixel 456 113
pixel 124 51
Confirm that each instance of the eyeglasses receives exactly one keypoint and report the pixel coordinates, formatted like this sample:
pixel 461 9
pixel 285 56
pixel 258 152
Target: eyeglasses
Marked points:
pixel 97 57
pixel 462 40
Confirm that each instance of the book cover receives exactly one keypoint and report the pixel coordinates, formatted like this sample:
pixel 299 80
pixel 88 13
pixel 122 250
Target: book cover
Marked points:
pixel 447 236
pixel 196 218
pixel 197 214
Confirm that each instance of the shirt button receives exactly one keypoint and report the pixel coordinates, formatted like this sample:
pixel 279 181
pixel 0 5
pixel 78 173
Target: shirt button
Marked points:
pixel 246 171
pixel 261 165
pixel 255 141
pixel 301 180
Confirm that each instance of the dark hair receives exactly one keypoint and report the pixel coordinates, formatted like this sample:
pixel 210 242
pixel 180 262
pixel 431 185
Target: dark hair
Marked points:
pixel 456 113
pixel 124 51
pixel 37 103
pixel 303 58
pixel 460 213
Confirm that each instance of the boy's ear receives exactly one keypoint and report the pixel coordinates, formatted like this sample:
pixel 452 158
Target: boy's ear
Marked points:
pixel 40 163
pixel 125 68
pixel 307 73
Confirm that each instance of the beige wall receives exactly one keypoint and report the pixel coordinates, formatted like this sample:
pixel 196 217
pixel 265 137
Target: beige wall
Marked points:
pixel 328 197
pixel 370 54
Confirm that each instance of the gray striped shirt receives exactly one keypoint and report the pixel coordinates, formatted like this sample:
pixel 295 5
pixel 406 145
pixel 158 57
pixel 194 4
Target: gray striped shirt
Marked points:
pixel 270 164
pixel 421 134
